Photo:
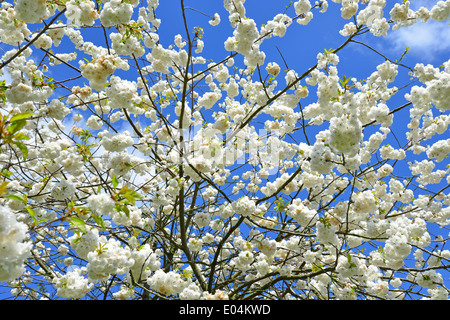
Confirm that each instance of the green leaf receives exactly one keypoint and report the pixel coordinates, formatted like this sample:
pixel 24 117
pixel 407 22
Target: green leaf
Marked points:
pixel 123 208
pixel 78 223
pixel 16 197
pixel 20 136
pixel 5 173
pixel 130 198
pixel 20 116
pixel 3 186
pixel 32 213
pixel 114 181
pixel 22 147
pixel 16 126
pixel 99 220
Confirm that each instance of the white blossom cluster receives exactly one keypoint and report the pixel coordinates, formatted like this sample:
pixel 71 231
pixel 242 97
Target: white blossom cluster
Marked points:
pixel 108 257
pixel 116 12
pixel 73 285
pixel 14 247
pixel 81 12
pixel 12 32
pixel 167 283
pixel 32 11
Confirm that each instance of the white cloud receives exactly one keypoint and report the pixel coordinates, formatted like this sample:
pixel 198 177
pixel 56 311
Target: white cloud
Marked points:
pixel 425 40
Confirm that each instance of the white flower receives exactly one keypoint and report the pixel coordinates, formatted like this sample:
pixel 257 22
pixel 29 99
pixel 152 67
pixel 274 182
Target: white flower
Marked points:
pixel 81 12
pixel 439 150
pixel 302 214
pixel 348 266
pixel 108 257
pixel 101 204
pixel 31 11
pixel 346 134
pixel 63 249
pixel 322 158
pixel 98 70
pixel 244 36
pixel 116 142
pixel 348 29
pixel 326 233
pixel 379 27
pixel 364 202
pixel 429 279
pixel 372 12
pixel 85 243
pixel 215 20
pixel 209 99
pixel 124 293
pixel 195 244
pixel 400 12
pixel 116 12
pixel 145 261
pixel 14 249
pixel 244 206
pixel 12 31
pixel 126 45
pixel 388 152
pixel 63 190
pixel 72 285
pixel 440 11
pixel 94 122
pixel 273 69
pixel 169 283
pixel 438 293
pixel 396 282
pixel 349 8
pixel 302 7
pixel 43 42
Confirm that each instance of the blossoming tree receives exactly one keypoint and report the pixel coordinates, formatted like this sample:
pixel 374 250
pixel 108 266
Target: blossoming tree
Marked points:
pixel 136 167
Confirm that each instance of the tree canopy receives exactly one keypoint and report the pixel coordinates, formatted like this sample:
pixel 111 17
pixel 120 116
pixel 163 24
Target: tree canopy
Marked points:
pixel 228 149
